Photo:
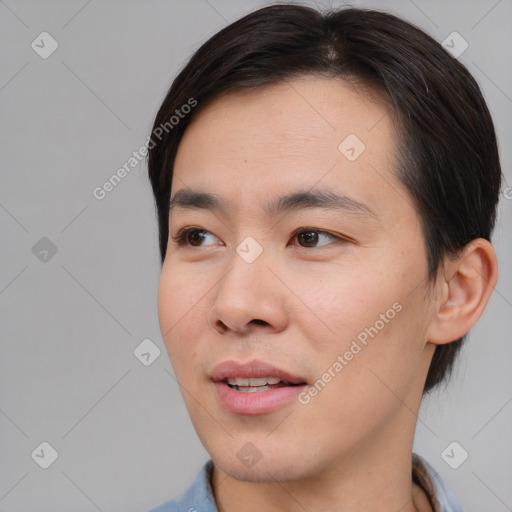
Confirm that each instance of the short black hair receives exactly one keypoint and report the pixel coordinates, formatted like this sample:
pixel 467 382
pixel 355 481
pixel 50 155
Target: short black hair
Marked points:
pixel 447 155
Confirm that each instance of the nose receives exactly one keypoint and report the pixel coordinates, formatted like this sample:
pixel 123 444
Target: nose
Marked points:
pixel 249 299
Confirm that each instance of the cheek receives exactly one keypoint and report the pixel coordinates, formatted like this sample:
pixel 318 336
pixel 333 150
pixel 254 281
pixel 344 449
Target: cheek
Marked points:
pixel 181 313
pixel 337 304
pixel 364 371
pixel 372 316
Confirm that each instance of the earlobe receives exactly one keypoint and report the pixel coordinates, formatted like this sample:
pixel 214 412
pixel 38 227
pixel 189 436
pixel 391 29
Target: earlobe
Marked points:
pixel 467 284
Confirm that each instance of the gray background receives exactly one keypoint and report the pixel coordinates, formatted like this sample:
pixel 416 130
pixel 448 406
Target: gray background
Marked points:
pixel 69 325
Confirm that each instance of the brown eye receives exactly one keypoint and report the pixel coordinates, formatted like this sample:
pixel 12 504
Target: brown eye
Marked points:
pixel 308 238
pixel 194 237
pixel 311 237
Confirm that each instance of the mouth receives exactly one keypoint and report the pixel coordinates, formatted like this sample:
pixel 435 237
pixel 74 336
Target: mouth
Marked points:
pixel 254 388
pixel 257 384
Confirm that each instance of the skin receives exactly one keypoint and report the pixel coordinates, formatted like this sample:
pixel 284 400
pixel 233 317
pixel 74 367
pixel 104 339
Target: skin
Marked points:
pixel 299 306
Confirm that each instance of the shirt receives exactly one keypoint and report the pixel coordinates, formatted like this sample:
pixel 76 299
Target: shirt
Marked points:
pixel 199 496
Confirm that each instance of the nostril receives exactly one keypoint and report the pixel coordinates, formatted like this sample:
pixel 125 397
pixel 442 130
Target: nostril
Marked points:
pixel 222 326
pixel 219 326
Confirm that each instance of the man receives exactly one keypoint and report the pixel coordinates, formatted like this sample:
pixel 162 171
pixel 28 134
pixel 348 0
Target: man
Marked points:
pixel 325 207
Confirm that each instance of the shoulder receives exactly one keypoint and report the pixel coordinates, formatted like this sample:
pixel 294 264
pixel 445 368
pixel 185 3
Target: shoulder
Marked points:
pixel 430 481
pixel 197 498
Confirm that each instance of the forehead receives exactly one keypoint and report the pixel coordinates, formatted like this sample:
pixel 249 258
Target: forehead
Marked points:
pixel 294 134
pixel 327 104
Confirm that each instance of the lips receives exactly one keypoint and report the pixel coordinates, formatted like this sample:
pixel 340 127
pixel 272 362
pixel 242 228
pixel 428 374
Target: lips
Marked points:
pixel 254 388
pixel 253 370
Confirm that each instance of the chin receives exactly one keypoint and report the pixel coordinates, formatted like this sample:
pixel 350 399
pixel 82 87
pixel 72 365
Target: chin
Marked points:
pixel 263 471
pixel 271 466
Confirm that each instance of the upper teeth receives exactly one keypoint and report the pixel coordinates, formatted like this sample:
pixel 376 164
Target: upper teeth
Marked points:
pixel 260 381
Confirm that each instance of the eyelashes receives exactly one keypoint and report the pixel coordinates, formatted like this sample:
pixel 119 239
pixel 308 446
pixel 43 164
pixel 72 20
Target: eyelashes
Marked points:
pixel 183 237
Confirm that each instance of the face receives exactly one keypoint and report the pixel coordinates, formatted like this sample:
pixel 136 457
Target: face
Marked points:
pixel 306 271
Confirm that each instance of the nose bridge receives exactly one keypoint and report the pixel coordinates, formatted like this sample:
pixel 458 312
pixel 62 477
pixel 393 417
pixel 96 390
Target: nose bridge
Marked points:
pixel 248 292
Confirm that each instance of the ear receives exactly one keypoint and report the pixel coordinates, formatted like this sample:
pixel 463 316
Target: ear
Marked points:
pixel 466 285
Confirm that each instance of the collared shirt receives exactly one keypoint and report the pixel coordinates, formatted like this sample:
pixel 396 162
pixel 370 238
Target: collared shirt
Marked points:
pixel 199 496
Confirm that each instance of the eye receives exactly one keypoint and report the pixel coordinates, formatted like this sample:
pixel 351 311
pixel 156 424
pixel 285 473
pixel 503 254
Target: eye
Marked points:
pixel 309 237
pixel 192 237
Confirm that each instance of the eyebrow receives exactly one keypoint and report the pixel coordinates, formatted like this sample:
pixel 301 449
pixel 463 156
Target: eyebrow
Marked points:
pixel 194 200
